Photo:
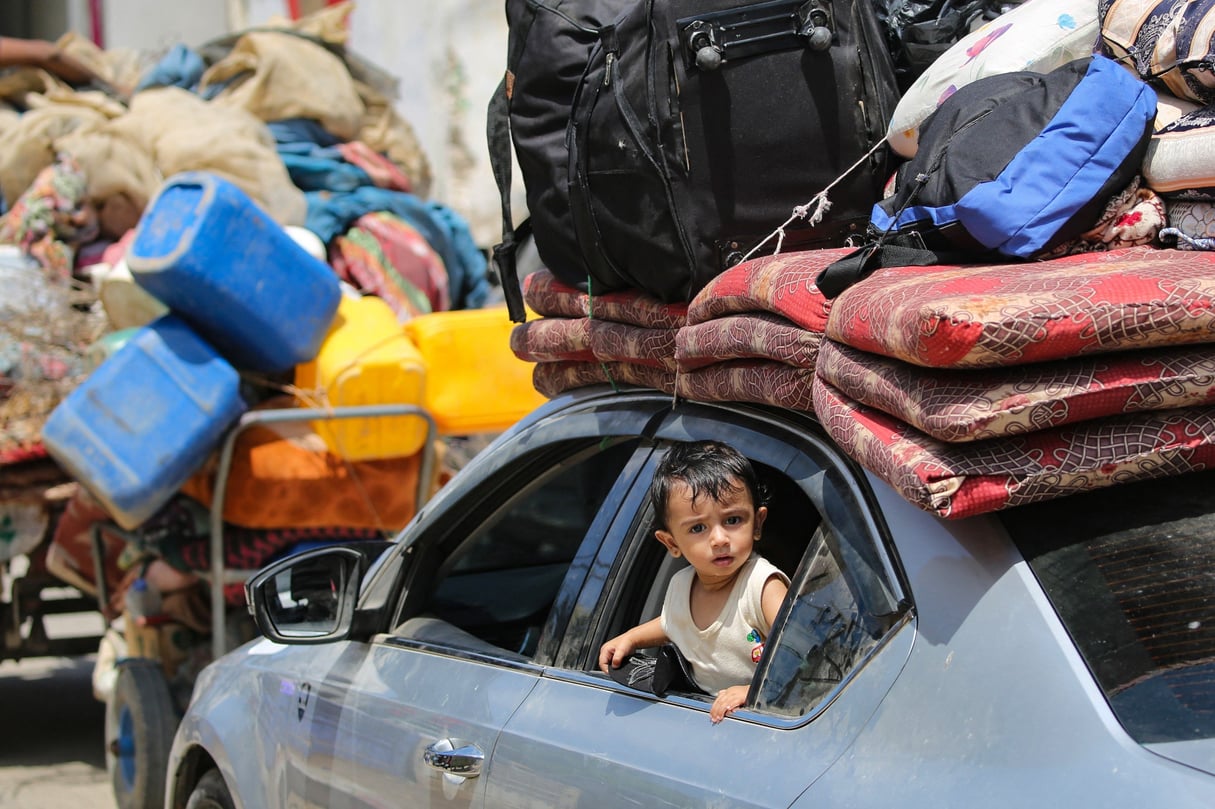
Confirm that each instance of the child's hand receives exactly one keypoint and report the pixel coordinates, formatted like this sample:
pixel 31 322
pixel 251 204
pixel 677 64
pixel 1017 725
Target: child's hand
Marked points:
pixel 727 700
pixel 613 653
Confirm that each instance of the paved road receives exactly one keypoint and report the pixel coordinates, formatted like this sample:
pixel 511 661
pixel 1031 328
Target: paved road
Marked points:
pixel 51 736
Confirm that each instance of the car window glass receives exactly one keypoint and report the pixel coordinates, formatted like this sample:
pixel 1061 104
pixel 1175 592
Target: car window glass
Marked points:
pixel 1127 570
pixel 499 584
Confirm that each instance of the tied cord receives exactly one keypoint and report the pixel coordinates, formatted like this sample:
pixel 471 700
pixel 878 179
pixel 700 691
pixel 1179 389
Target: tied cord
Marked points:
pixel 820 202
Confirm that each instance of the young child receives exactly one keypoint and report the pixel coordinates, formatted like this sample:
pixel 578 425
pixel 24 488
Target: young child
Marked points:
pixel 709 508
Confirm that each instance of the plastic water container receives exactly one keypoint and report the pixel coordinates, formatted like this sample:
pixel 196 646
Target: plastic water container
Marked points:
pixel 366 359
pixel 475 383
pixel 209 253
pixel 145 419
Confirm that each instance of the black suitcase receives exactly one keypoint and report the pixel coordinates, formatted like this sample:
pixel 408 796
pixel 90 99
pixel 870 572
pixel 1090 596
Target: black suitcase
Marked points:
pixel 699 125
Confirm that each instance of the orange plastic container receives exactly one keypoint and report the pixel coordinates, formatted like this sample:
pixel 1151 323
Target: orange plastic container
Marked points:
pixel 366 359
pixel 475 383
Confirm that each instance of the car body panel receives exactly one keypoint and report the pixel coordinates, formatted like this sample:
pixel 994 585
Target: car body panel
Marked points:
pixel 581 741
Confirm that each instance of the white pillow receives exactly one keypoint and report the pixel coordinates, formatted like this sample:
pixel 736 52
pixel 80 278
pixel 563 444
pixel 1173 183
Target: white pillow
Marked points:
pixel 1180 158
pixel 1038 35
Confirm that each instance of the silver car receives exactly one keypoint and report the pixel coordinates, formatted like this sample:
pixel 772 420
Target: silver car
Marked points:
pixel 1057 654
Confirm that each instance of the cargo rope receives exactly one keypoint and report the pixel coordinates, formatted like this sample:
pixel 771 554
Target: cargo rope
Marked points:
pixel 820 203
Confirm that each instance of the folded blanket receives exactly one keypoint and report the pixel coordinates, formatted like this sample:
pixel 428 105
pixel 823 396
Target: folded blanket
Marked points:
pixel 1011 314
pixel 386 256
pixel 549 297
pixel 952 405
pixel 621 342
pixel 762 381
pixel 746 336
pixel 960 480
pixel 553 339
pixel 782 284
pixel 553 378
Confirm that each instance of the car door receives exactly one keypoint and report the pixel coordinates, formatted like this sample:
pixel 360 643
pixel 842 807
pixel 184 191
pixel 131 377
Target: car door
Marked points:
pixel 488 576
pixel 843 634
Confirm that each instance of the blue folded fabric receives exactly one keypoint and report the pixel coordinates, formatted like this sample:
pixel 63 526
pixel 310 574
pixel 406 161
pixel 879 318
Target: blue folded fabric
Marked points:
pixel 180 67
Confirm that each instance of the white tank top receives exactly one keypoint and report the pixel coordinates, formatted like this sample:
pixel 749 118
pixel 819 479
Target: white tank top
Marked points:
pixel 725 653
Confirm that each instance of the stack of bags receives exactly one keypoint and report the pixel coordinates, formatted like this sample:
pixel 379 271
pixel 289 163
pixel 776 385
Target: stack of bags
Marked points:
pixel 753 332
pixel 977 388
pixel 625 337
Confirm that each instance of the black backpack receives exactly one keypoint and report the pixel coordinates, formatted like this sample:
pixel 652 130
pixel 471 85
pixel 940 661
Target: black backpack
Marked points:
pixel 696 128
pixel 548 44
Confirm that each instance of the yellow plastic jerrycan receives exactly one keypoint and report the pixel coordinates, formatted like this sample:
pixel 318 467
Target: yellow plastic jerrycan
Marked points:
pixel 366 359
pixel 475 383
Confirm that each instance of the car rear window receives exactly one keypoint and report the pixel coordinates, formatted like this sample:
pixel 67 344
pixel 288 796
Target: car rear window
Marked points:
pixel 1131 572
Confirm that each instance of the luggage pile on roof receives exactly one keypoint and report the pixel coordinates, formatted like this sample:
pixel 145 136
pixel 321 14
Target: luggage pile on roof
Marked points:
pixel 976 386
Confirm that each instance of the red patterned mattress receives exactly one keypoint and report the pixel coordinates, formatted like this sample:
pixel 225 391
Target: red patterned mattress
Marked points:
pixel 983 316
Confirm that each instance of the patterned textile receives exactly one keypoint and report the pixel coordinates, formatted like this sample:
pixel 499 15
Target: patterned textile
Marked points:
pixel 51 218
pixel 553 378
pixel 762 381
pixel 1180 158
pixel 384 255
pixel 621 342
pixel 382 171
pixel 553 339
pixel 1132 217
pixel 625 337
pixel 745 336
pixel 1038 35
pixel 1169 45
pixel 282 477
pixel 1009 314
pixel 253 548
pixel 549 297
pixel 973 405
pixel 1191 224
pixel 782 284
pixel 960 480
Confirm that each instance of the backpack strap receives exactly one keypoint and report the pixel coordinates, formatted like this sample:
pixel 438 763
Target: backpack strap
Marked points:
pixel 891 250
pixel 497 131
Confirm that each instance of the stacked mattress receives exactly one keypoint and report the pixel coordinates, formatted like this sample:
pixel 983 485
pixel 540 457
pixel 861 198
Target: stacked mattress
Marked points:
pixel 968 388
pixel 971 389
pixel 625 337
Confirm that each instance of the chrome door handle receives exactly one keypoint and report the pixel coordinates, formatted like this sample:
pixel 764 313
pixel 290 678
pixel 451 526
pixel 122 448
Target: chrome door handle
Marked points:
pixel 455 757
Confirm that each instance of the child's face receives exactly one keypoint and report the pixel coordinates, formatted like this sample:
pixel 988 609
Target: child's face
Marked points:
pixel 715 536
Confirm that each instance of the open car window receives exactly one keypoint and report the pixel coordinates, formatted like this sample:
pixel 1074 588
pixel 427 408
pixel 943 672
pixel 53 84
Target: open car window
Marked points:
pixel 844 598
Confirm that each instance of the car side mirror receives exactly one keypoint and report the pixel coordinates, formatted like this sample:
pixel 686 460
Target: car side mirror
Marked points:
pixel 309 597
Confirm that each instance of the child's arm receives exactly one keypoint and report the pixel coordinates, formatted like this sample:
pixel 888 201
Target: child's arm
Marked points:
pixel 772 597
pixel 643 636
pixel 728 699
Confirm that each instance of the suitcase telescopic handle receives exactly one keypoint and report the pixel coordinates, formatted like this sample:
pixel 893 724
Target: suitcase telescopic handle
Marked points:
pixel 716 37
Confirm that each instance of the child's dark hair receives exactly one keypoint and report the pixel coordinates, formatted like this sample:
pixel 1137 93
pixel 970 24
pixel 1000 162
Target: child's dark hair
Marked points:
pixel 707 468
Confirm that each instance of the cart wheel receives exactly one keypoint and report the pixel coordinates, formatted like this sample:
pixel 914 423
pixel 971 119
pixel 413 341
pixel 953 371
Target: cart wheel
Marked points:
pixel 140 720
pixel 211 793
